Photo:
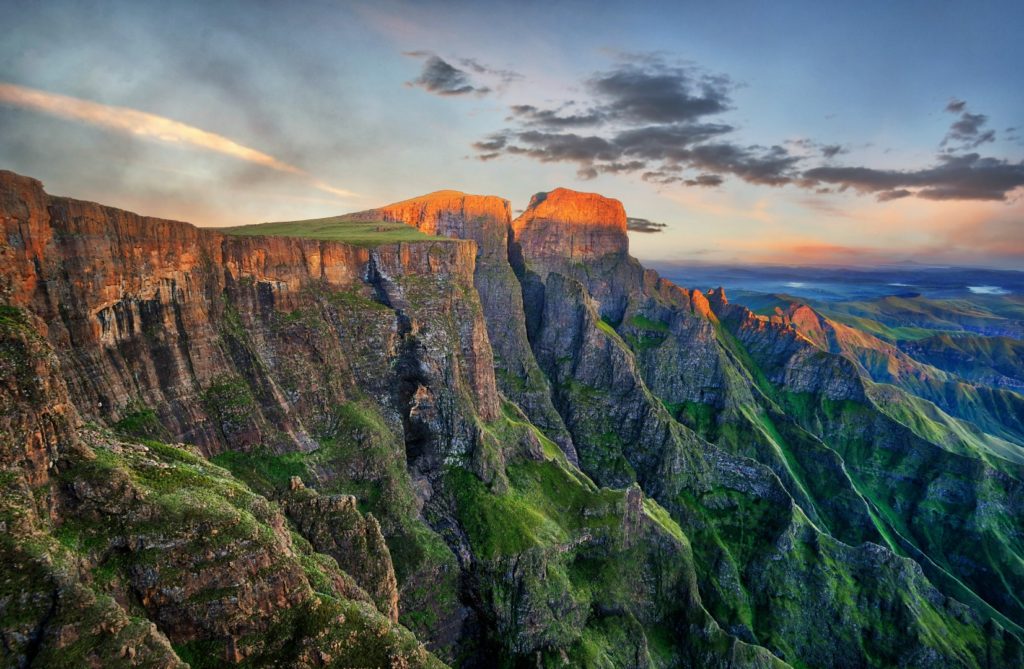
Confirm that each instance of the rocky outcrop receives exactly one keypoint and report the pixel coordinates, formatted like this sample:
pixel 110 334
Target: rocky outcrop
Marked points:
pixel 114 550
pixel 38 418
pixel 48 615
pixel 144 311
pixel 248 345
pixel 448 213
pixel 962 415
pixel 334 526
pixel 568 225
pixel 487 221
pixel 578 235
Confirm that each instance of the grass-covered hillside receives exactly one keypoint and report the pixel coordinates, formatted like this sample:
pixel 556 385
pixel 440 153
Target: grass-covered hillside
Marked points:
pixel 335 229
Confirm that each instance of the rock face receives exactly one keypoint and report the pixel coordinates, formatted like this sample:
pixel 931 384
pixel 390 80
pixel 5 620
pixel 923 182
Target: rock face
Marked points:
pixel 487 221
pixel 449 213
pixel 48 615
pixel 573 226
pixel 508 445
pixel 605 401
pixel 221 342
pixel 333 525
pixel 155 546
pixel 137 306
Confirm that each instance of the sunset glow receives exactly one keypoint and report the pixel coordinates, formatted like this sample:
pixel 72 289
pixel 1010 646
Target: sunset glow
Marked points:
pixel 771 138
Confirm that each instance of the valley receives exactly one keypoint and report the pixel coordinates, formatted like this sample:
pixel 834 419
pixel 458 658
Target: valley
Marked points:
pixel 431 434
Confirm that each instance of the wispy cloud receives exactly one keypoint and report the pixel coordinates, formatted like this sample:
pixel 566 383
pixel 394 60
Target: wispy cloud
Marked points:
pixel 440 77
pixel 150 126
pixel 969 129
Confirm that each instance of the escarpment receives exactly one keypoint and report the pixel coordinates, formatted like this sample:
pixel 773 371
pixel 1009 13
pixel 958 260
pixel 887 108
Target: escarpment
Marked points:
pixel 503 444
pixel 750 372
pixel 487 221
pixel 153 313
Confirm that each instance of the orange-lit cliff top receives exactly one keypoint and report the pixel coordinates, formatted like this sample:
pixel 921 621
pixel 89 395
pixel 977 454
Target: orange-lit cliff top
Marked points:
pixel 573 207
pixel 433 213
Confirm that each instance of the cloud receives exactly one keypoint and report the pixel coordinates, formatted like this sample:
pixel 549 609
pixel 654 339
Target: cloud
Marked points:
pixel 889 195
pixel 490 147
pixel 442 78
pixel 662 176
pixel 770 166
pixel 657 93
pixel 644 225
pixel 659 121
pixel 667 142
pixel 549 147
pixel 640 92
pixel 955 177
pixel 619 167
pixel 956 106
pixel 551 118
pixel 149 126
pixel 833 150
pixel 503 76
pixel 645 117
pixel 705 180
pixel 806 148
pixel 969 130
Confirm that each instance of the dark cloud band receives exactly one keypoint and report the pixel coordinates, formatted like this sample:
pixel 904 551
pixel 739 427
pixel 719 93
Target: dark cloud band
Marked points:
pixel 655 120
pixel 962 177
pixel 644 225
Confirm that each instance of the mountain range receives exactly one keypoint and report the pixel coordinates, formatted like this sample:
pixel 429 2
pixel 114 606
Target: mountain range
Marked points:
pixel 430 435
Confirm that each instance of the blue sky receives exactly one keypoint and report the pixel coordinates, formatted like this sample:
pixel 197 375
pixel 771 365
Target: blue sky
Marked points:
pixel 321 111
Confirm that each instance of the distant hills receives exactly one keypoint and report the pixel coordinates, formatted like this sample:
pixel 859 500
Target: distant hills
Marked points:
pixel 430 435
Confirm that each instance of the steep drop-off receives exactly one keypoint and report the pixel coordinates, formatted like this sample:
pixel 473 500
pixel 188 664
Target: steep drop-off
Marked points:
pixel 511 446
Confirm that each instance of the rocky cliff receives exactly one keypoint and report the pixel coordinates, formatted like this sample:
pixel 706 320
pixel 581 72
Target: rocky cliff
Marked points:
pixel 487 221
pixel 572 226
pixel 508 444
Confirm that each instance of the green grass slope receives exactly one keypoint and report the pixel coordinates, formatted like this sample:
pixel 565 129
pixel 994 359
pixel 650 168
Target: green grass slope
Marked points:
pixel 336 229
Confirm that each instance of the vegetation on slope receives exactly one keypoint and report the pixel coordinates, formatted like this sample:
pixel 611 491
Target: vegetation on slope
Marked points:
pixel 762 550
pixel 336 229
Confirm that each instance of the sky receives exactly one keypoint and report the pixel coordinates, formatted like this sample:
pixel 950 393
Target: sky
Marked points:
pixel 812 133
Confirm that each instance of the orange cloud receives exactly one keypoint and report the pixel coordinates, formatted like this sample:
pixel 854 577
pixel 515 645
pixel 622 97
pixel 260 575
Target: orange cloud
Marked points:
pixel 150 126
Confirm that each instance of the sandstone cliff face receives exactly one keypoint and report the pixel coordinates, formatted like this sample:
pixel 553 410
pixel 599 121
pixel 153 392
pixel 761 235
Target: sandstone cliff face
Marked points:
pixel 790 359
pixel 113 550
pixel 567 225
pixel 142 309
pixel 487 221
pixel 48 616
pixel 363 406
pixel 38 418
pixel 223 342
pixel 744 361
pixel 578 235
pixel 482 218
